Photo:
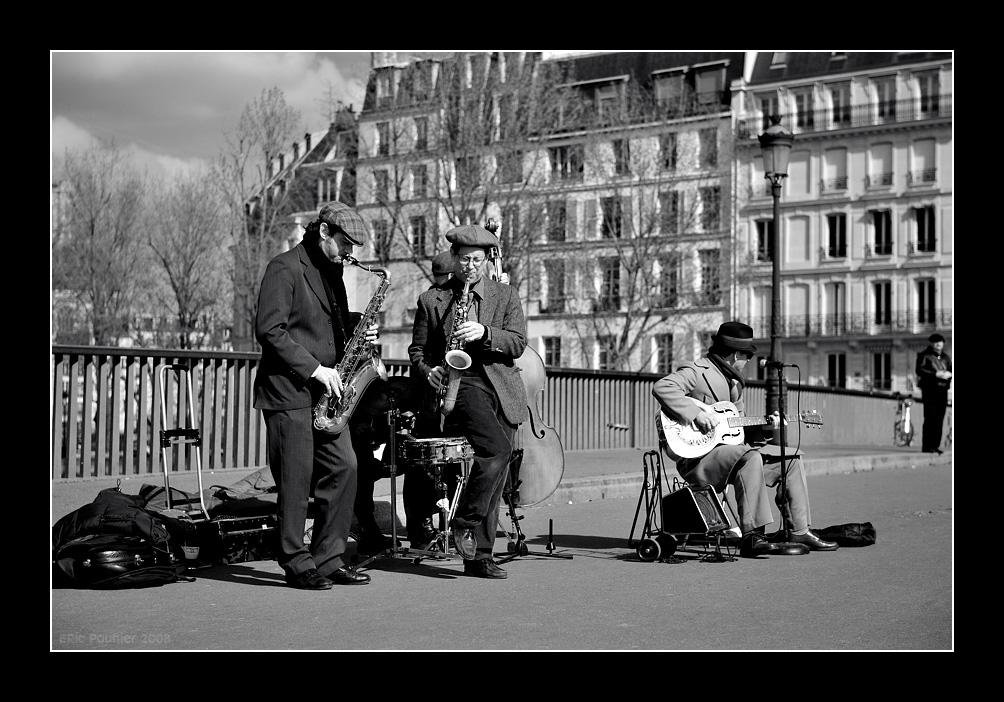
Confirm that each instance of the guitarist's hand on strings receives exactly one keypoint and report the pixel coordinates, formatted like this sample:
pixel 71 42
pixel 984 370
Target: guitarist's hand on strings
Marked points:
pixel 706 421
pixel 775 421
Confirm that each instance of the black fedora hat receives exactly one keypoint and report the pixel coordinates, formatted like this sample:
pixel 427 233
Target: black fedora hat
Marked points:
pixel 735 336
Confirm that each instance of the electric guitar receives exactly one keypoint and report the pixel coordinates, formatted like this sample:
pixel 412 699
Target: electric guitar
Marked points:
pixel 680 440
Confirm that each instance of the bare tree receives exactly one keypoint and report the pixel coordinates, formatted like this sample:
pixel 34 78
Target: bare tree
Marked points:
pixel 252 183
pixel 186 234
pixel 653 257
pixel 99 259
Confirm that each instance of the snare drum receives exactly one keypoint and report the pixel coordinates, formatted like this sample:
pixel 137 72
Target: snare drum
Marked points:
pixel 434 452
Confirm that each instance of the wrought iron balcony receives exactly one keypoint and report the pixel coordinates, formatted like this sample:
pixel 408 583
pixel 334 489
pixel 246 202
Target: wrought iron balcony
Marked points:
pixel 854 324
pixel 866 115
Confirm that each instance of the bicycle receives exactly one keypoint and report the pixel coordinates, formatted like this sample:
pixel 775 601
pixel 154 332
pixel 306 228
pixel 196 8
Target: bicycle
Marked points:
pixel 903 428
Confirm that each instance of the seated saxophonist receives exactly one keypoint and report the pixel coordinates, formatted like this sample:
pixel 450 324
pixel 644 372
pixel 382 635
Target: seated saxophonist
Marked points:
pixel 484 402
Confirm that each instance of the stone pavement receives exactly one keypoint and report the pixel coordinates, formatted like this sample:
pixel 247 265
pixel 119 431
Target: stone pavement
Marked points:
pixel 894 595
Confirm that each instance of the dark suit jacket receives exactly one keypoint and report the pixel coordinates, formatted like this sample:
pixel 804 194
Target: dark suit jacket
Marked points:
pixel 502 312
pixel 297 330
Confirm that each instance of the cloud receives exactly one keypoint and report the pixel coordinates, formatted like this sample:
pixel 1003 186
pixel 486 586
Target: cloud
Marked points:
pixel 171 109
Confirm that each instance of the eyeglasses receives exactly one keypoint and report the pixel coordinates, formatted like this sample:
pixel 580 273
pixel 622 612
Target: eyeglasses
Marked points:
pixel 476 262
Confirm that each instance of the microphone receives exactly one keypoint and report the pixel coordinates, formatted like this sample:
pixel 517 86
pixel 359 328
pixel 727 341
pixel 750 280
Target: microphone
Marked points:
pixel 764 363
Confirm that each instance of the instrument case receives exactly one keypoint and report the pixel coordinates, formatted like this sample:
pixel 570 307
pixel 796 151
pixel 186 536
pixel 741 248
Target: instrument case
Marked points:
pixel 112 561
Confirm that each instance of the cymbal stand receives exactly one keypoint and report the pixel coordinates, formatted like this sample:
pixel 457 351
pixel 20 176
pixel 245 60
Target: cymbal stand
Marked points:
pixel 516 548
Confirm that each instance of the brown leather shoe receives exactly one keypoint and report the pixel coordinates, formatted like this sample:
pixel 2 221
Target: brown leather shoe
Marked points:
pixel 812 541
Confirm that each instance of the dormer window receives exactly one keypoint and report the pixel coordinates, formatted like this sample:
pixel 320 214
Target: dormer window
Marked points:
pixel 779 59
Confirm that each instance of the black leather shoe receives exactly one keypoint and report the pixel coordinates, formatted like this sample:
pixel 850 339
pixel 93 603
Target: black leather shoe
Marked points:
pixel 813 541
pixel 308 580
pixel 424 534
pixel 348 576
pixel 464 542
pixel 484 568
pixel 755 544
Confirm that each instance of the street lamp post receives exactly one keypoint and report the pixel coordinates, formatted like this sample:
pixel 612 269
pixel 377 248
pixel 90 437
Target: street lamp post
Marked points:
pixel 775 146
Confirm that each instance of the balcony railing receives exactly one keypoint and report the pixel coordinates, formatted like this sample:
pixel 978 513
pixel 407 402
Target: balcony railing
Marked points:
pixel 869 114
pixel 858 323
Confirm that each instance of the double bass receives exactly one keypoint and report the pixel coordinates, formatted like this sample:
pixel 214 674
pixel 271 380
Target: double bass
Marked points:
pixel 538 460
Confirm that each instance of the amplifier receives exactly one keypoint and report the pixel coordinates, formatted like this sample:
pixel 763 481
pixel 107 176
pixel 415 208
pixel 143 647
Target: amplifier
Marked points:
pixel 693 510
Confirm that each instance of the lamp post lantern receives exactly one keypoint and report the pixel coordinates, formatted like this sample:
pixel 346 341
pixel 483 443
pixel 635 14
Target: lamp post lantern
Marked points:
pixel 775 146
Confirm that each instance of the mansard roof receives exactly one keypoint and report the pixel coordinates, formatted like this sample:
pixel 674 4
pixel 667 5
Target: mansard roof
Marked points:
pixel 810 64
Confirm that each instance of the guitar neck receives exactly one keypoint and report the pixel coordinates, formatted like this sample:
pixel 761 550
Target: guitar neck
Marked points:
pixel 748 421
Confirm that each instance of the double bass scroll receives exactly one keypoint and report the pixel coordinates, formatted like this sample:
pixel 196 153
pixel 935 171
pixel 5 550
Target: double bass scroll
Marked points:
pixel 538 460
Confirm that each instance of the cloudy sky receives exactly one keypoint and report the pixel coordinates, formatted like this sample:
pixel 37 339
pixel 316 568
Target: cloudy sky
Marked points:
pixel 170 110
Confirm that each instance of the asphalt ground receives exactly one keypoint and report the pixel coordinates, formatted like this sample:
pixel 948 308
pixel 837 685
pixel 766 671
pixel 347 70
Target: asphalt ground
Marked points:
pixel 891 596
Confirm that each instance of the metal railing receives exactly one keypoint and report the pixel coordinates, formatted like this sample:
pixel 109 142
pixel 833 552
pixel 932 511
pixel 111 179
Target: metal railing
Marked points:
pixel 106 412
pixel 863 323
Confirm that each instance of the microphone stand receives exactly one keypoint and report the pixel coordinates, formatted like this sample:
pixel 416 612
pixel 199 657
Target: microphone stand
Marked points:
pixel 786 547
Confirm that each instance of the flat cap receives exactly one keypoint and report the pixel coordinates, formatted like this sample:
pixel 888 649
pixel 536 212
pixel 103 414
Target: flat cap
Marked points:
pixel 471 235
pixel 343 218
pixel 442 263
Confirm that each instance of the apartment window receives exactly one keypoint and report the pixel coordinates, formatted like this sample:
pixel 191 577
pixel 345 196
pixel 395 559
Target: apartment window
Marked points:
pixel 923 168
pixel 711 271
pixel 613 219
pixel 882 302
pixel 882 370
pixel 384 93
pixel 555 272
pixel 710 206
pixel 380 186
pixel 768 107
pixel 567 161
pixel 510 220
pixel 669 267
pixel 669 212
pixel 511 167
pixel 778 59
pixel 468 172
pixel 556 220
pixel 885 98
pixel 927 87
pixel 667 151
pixel 622 156
pixel 610 284
pixel 421 133
pixel 765 240
pixel 803 110
pixel 606 350
pixel 381 239
pixel 607 99
pixel 383 139
pixel 663 353
pixel 926 242
pixel 419 181
pixel 882 232
pixel 669 90
pixel 710 84
pixel 836 370
pixel 835 170
pixel 925 301
pixel 552 351
pixel 840 104
pixel 709 148
pixel 837 227
pixel 880 166
pixel 418 235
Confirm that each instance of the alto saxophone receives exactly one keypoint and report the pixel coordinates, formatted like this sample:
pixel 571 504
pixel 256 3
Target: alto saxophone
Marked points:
pixel 359 366
pixel 456 360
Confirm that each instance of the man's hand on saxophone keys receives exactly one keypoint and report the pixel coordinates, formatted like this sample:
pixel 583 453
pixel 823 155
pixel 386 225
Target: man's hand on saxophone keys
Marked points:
pixel 470 331
pixel 435 377
pixel 329 378
pixel 373 333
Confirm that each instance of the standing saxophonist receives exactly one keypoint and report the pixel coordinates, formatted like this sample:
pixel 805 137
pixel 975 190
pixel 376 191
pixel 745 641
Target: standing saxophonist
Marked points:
pixel 490 400
pixel 303 325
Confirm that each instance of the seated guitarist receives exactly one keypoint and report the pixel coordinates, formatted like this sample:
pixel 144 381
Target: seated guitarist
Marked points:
pixel 718 377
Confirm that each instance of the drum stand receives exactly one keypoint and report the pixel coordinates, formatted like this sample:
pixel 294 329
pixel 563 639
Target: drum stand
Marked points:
pixel 438 548
pixel 516 548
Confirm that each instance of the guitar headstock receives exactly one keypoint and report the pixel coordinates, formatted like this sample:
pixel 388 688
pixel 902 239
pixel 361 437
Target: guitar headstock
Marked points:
pixel 811 419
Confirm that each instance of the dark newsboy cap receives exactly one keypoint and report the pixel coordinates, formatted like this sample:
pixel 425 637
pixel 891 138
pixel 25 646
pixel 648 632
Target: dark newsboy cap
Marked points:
pixel 735 336
pixel 341 217
pixel 442 263
pixel 471 235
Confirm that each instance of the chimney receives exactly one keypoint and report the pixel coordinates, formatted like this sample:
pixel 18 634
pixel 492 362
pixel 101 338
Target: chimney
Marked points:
pixel 306 143
pixel 296 150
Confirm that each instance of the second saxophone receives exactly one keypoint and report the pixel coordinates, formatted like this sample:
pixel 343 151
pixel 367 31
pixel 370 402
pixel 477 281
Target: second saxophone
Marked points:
pixel 456 360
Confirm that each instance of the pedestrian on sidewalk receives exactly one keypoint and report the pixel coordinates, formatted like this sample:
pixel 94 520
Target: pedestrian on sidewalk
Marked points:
pixel 934 375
